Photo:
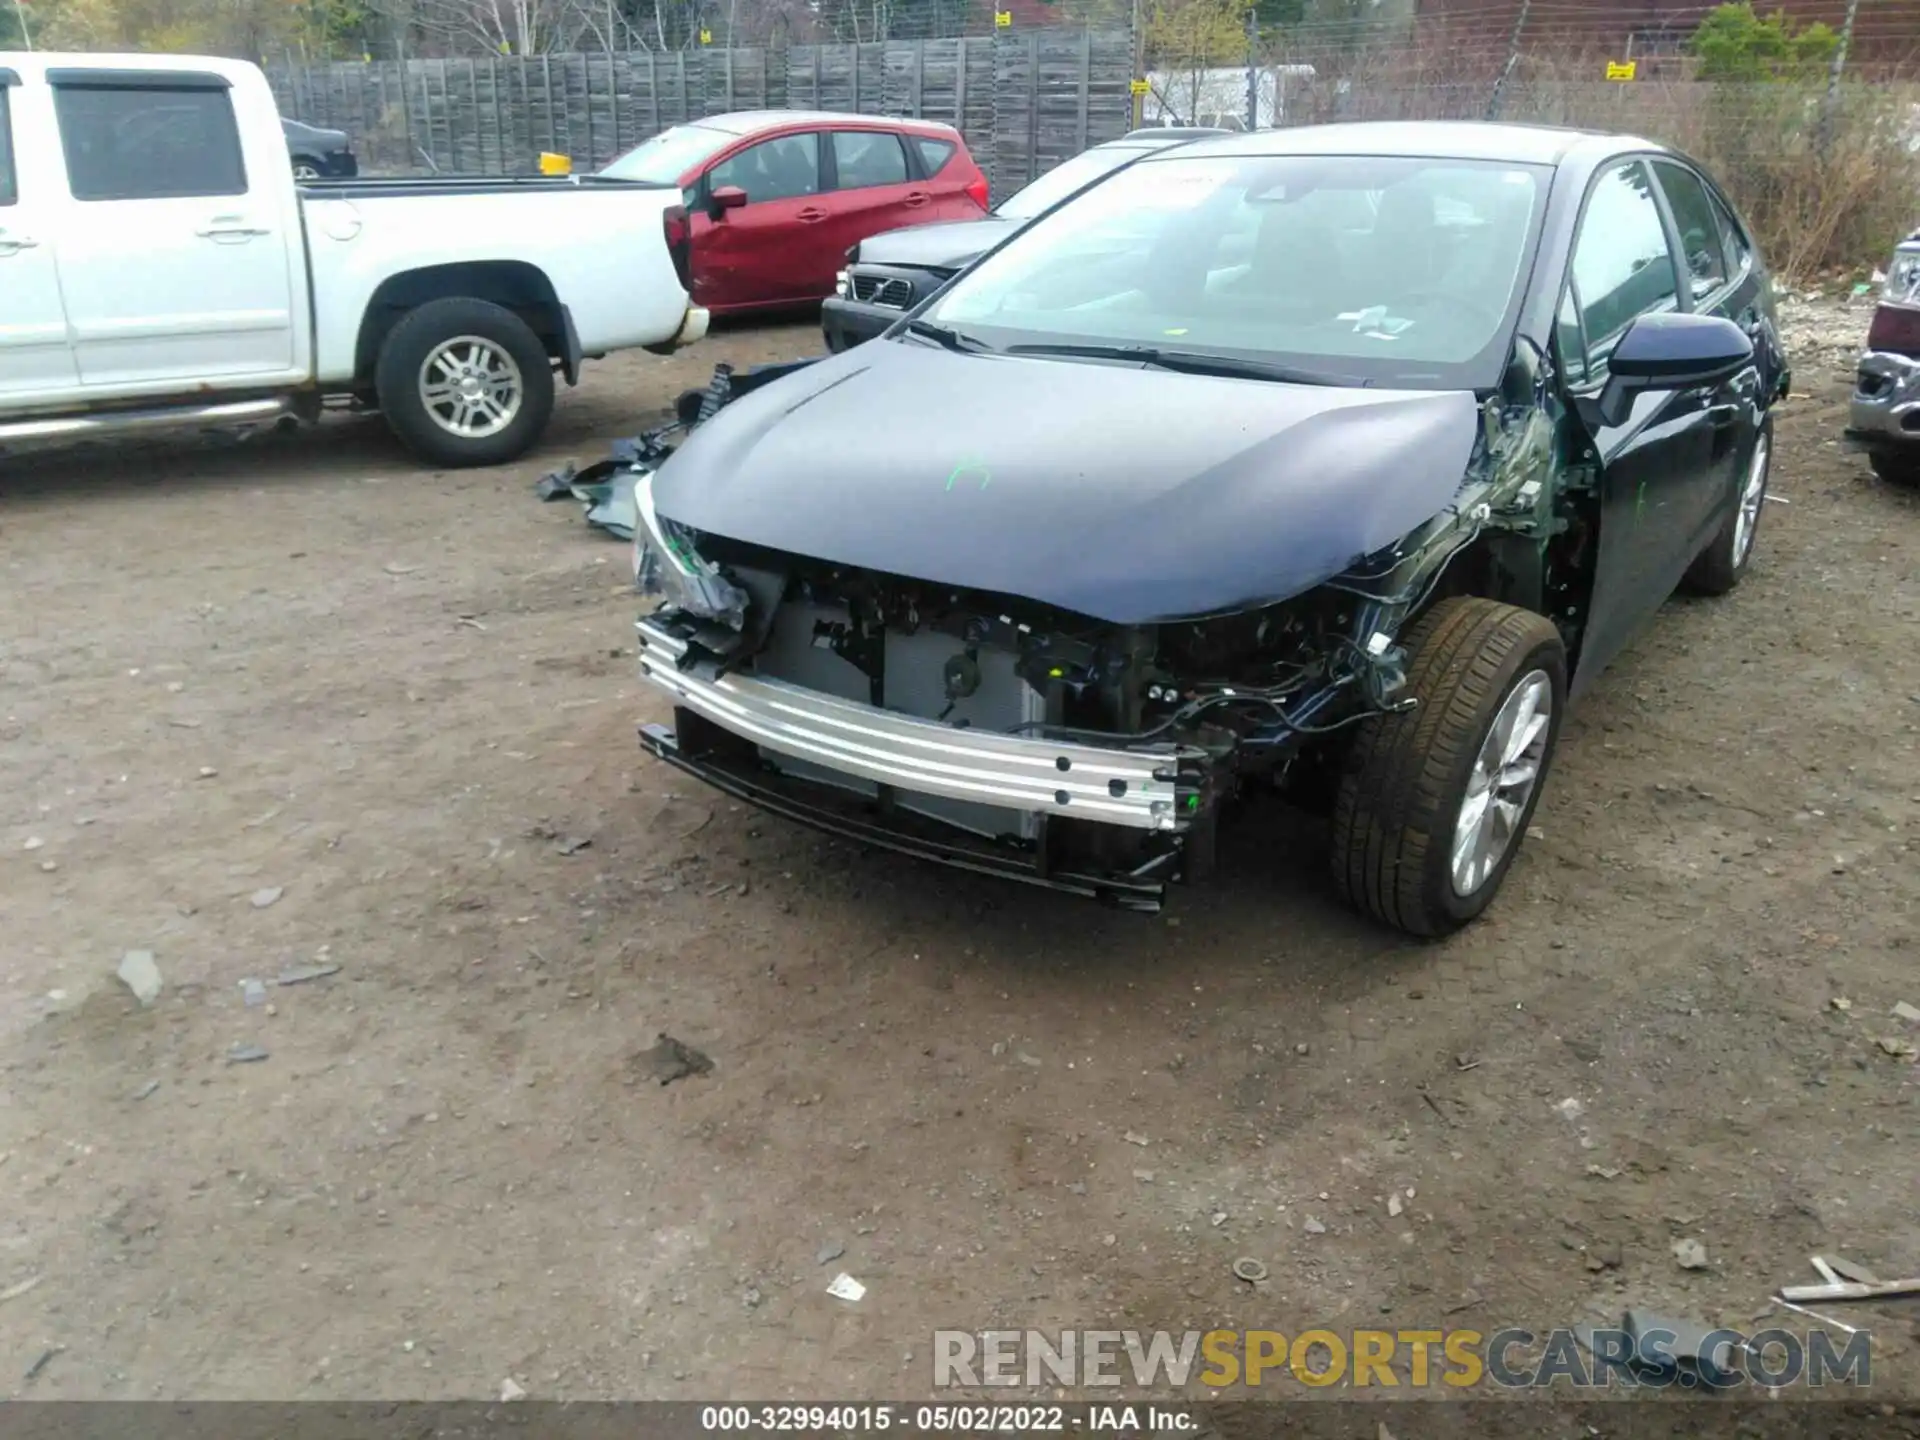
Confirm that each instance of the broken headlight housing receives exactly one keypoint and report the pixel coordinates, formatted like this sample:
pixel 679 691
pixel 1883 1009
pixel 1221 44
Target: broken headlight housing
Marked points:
pixel 665 563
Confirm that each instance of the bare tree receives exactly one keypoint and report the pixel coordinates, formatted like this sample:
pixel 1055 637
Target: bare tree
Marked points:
pixel 503 27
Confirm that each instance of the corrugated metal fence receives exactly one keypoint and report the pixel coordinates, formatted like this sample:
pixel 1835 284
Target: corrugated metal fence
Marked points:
pixel 1025 101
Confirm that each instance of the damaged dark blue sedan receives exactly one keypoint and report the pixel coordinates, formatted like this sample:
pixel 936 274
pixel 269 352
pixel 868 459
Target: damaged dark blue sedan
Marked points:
pixel 1331 460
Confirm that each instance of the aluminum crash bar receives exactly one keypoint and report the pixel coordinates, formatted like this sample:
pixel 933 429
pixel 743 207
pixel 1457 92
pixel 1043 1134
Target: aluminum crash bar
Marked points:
pixel 1137 788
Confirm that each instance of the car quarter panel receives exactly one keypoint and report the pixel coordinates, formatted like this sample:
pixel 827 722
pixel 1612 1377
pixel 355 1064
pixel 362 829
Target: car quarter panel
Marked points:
pixel 599 245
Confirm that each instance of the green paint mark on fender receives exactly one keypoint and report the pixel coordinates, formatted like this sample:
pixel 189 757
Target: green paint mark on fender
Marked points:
pixel 971 465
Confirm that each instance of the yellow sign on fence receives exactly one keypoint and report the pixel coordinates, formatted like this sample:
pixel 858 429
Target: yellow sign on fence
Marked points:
pixel 1621 69
pixel 1139 87
pixel 706 37
pixel 1002 19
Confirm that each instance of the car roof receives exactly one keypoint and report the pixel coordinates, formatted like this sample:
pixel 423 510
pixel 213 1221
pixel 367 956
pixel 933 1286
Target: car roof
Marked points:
pixel 749 122
pixel 1146 142
pixel 35 63
pixel 1436 139
pixel 1169 134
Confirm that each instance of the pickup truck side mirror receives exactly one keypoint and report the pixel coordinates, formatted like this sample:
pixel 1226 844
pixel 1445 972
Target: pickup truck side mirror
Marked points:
pixel 1671 352
pixel 725 198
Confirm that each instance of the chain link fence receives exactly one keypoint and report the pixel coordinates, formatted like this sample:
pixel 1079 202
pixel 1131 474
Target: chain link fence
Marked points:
pixel 1821 154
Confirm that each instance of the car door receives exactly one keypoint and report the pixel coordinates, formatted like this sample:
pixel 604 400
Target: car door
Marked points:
pixel 1716 286
pixel 771 250
pixel 35 356
pixel 1653 467
pixel 174 261
pixel 873 190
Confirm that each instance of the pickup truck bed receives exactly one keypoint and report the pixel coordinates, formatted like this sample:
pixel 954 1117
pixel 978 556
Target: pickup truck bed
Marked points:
pixel 159 264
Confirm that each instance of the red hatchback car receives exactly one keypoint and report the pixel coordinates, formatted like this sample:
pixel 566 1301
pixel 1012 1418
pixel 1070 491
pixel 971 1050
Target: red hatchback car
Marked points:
pixel 775 198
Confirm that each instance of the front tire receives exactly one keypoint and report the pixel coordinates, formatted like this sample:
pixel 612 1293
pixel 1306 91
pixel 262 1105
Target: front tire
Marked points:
pixel 1896 468
pixel 1434 803
pixel 464 382
pixel 1717 569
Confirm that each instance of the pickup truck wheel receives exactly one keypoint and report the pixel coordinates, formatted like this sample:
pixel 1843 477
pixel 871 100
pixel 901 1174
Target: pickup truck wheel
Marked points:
pixel 1434 803
pixel 464 382
pixel 1718 568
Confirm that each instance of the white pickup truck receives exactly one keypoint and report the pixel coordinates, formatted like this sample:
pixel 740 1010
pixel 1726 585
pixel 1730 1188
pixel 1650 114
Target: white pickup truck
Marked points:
pixel 159 267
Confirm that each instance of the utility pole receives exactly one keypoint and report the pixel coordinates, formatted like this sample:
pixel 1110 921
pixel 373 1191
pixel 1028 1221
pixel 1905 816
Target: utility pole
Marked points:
pixel 1498 97
pixel 1139 62
pixel 1834 72
pixel 1253 66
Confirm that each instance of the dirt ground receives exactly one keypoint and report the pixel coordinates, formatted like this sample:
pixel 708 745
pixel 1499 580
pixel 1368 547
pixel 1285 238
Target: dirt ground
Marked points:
pixel 302 669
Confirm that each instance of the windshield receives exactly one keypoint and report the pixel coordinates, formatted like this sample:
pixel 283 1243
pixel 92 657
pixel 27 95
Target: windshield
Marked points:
pixel 669 155
pixel 1065 178
pixel 1371 269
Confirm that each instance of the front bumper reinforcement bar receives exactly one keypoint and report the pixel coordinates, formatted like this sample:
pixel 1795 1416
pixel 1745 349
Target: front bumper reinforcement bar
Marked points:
pixel 1151 787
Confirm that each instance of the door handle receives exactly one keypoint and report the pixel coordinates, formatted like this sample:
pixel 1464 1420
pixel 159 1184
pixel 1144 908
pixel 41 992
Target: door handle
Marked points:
pixel 810 215
pixel 1721 416
pixel 917 198
pixel 9 244
pixel 229 227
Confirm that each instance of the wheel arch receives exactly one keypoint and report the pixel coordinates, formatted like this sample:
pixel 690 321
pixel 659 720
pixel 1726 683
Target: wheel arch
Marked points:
pixel 515 285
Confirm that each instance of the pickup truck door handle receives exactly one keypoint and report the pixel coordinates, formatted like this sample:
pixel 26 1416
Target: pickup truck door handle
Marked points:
pixel 224 228
pixel 917 198
pixel 9 244
pixel 1721 416
pixel 811 215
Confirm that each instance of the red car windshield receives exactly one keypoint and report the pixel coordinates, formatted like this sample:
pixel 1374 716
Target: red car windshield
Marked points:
pixel 670 154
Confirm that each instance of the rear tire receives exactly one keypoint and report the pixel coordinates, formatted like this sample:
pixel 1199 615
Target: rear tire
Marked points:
pixel 1410 778
pixel 464 382
pixel 1896 468
pixel 1718 568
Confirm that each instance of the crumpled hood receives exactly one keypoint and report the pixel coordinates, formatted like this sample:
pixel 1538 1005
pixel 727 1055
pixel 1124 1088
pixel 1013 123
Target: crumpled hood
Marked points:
pixel 943 245
pixel 1126 494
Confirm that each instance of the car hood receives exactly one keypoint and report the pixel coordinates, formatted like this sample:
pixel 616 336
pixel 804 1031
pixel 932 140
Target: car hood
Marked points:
pixel 1125 494
pixel 940 246
pixel 313 135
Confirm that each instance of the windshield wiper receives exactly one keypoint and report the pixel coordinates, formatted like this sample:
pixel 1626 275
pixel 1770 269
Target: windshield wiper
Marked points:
pixel 1191 362
pixel 952 339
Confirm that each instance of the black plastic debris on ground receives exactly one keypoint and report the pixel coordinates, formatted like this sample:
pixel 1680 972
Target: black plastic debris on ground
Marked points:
pixel 1662 1350
pixel 670 1060
pixel 605 487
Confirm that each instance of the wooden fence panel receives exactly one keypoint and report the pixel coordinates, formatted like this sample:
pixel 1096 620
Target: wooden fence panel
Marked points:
pixel 1024 100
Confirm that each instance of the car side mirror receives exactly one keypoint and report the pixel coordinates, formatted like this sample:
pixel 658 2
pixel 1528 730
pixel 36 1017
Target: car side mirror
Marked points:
pixel 725 198
pixel 1671 352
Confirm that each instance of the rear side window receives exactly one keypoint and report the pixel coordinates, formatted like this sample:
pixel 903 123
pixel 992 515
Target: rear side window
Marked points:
pixel 1700 239
pixel 1622 268
pixel 148 143
pixel 864 158
pixel 933 153
pixel 9 191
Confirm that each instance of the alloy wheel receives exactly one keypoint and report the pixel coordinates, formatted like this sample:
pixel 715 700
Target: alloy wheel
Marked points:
pixel 471 387
pixel 1502 782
